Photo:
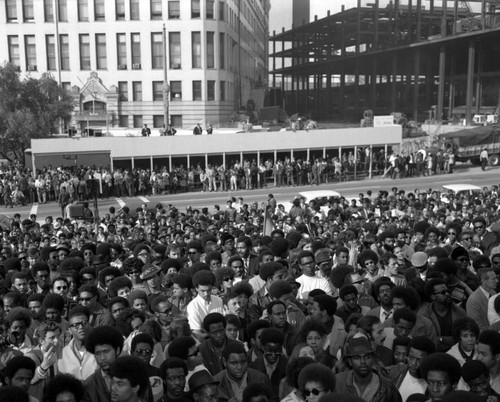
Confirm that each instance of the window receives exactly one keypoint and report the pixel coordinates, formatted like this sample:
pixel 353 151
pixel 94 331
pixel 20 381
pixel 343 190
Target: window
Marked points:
pixel 210 9
pixel 197 90
pixel 136 50
pixel 210 50
pixel 63 10
pixel 174 10
pixel 99 10
pixel 175 90
pixel 222 51
pixel 157 50
pixel 84 51
pixel 83 10
pixel 120 10
pixel 134 10
pixel 174 49
pixel 137 121
pixel 156 11
pixel 210 90
pixel 50 44
pixel 137 91
pixel 64 51
pixel 100 48
pixel 176 120
pixel 195 9
pixel 30 50
pixel 157 90
pixel 158 120
pixel 121 47
pixel 13 41
pixel 123 121
pixel 11 9
pixel 48 10
pixel 223 90
pixel 122 91
pixel 28 12
pixel 196 49
pixel 221 11
pixel 66 86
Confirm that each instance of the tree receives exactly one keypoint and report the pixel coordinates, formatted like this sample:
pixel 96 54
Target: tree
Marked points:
pixel 29 108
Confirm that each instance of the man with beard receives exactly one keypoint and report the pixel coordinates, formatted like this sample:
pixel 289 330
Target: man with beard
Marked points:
pixel 75 359
pixel 441 311
pixel 17 323
pixel 406 377
pixel 386 240
pixel 381 292
pixel 211 349
pixel 362 381
pixel 237 375
pixel 34 303
pixel 106 344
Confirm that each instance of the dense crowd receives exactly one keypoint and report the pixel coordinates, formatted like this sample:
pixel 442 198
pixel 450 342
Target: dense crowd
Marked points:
pixel 18 186
pixel 388 297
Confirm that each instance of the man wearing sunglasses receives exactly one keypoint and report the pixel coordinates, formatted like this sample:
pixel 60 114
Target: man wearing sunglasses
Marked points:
pixel 441 311
pixel 488 239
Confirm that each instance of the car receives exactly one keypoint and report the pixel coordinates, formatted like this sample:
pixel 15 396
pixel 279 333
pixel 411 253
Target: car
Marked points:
pixel 320 196
pixel 453 189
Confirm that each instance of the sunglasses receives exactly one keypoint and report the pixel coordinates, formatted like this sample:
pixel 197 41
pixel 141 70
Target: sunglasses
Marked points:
pixel 143 352
pixel 314 391
pixel 81 324
pixel 61 288
pixel 86 299
pixel 452 233
pixel 228 279
pixel 478 227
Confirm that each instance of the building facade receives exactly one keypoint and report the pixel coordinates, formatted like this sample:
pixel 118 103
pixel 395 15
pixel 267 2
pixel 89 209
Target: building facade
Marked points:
pixel 110 55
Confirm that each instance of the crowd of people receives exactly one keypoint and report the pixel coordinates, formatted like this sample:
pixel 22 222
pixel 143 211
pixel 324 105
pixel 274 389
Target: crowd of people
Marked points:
pixel 389 297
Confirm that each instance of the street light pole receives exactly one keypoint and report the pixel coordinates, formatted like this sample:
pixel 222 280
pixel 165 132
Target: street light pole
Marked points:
pixel 166 88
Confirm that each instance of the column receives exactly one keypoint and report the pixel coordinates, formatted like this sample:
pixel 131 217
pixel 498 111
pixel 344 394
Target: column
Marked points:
pixel 470 81
pixel 416 75
pixel 440 100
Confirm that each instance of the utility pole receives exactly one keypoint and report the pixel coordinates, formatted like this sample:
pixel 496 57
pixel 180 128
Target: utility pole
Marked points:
pixel 166 87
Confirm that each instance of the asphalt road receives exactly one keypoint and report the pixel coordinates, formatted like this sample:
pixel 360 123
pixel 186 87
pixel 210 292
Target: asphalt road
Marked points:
pixel 464 174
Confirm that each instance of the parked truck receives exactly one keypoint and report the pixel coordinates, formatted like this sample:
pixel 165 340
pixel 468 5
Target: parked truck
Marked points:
pixel 467 144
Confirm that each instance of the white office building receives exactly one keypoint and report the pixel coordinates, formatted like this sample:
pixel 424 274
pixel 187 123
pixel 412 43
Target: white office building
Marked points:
pixel 110 55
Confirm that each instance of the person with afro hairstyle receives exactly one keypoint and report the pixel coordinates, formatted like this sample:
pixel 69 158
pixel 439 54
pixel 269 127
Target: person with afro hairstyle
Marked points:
pixel 368 259
pixel 173 372
pixel 258 392
pixel 289 386
pixel 88 296
pixel 313 333
pixel 316 380
pixel 475 374
pixel 204 303
pixel 254 331
pixel 120 286
pixel 488 351
pixel 181 292
pixel 237 375
pixel 268 272
pixel 381 292
pixel 465 332
pixel 272 362
pixel 224 277
pixel 350 297
pixel 214 324
pixel 63 386
pixel 402 297
pixel 442 373
pixel 129 380
pixel 406 377
pixel 106 344
pixel 18 372
pixel 17 322
pixel 236 302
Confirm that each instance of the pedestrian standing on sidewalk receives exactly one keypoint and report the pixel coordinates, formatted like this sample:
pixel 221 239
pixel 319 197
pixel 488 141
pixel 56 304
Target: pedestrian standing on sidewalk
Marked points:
pixel 484 159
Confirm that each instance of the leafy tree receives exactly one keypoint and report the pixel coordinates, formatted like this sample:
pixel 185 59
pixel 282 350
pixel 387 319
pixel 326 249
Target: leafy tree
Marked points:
pixel 29 108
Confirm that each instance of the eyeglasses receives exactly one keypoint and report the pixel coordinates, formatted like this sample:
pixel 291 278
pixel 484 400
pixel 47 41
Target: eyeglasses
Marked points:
pixel 452 233
pixel 143 352
pixel 23 259
pixel 61 288
pixel 228 279
pixel 81 324
pixel 86 299
pixel 479 227
pixel 442 292
pixel 192 252
pixel 143 254
pixel 273 354
pixel 314 391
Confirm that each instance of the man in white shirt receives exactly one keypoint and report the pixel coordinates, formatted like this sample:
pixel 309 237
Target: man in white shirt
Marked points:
pixel 308 280
pixel 204 302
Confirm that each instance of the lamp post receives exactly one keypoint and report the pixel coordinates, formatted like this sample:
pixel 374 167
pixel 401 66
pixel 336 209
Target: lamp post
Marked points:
pixel 166 88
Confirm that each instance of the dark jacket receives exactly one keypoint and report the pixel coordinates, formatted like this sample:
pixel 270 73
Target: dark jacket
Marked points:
pixel 209 355
pixel 386 391
pixel 278 374
pixel 225 389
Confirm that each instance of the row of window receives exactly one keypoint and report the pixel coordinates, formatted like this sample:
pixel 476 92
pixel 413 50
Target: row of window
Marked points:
pixel 99 10
pixel 84 44
pixel 158 120
pixel 175 91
